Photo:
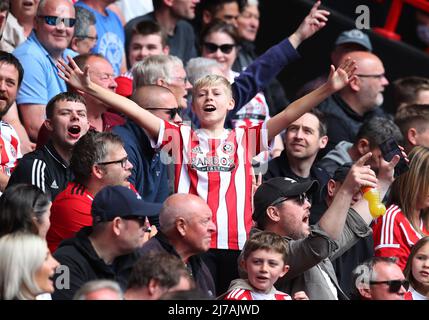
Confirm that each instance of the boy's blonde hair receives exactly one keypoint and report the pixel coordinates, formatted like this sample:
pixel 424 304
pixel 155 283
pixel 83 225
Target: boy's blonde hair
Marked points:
pixel 212 80
pixel 266 240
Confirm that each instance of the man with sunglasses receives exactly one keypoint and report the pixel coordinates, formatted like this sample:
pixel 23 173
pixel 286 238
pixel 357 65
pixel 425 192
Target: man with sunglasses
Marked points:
pixel 282 205
pixel 98 160
pixel 107 248
pixel 379 278
pixel 149 174
pixel 49 41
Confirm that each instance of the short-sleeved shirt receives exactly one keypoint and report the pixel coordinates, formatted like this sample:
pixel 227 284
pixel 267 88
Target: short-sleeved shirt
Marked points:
pixel 70 211
pixel 41 81
pixel 111 36
pixel 394 235
pixel 220 172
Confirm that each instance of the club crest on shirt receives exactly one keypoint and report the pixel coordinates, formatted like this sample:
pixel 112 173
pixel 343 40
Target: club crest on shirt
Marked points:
pixel 228 148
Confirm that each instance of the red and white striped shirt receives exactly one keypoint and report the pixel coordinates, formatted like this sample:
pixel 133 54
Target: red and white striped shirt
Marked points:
pixel 220 172
pixel 245 294
pixel 394 235
pixel 10 148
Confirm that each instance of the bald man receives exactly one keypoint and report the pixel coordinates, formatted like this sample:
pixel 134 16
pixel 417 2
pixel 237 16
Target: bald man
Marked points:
pixel 360 100
pixel 149 174
pixel 186 227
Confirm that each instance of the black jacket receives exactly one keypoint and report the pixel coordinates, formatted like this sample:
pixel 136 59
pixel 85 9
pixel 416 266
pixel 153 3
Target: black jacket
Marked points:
pixel 343 123
pixel 43 168
pixel 199 269
pixel 79 259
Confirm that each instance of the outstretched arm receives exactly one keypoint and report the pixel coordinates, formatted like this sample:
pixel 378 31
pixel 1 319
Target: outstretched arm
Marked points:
pixel 337 80
pixel 80 80
pixel 360 175
pixel 312 23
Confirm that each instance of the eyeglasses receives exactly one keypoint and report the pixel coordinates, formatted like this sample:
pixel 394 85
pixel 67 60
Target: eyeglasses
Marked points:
pixel 212 47
pixel 300 199
pixel 394 285
pixel 55 21
pixel 87 37
pixel 377 76
pixel 141 220
pixel 170 111
pixel 122 161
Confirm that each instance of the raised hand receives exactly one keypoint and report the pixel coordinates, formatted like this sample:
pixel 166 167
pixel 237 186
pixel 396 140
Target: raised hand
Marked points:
pixel 386 169
pixel 72 74
pixel 360 175
pixel 313 22
pixel 340 77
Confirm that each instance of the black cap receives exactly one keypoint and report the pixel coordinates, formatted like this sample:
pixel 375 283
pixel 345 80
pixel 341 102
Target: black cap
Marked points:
pixel 275 188
pixel 119 201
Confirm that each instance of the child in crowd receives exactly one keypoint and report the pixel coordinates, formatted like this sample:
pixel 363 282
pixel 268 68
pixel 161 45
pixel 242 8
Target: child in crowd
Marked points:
pixel 417 270
pixel 213 162
pixel 264 259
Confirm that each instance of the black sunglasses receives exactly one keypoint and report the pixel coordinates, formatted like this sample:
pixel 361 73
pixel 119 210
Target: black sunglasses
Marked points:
pixel 122 161
pixel 300 199
pixel 394 285
pixel 54 21
pixel 170 111
pixel 140 220
pixel 212 48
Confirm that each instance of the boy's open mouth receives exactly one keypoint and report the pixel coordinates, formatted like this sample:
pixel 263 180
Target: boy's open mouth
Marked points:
pixel 209 108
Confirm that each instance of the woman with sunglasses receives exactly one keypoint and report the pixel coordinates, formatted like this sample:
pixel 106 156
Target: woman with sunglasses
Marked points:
pixel 407 217
pixel 417 270
pixel 219 41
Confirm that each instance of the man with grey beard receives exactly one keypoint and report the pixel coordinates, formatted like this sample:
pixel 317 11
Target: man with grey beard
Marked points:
pixel 362 99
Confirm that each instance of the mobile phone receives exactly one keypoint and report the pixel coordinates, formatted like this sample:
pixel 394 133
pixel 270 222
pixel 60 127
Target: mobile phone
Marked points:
pixel 389 148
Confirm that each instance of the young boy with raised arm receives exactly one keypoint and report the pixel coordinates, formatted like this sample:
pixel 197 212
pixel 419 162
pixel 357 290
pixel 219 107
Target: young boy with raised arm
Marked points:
pixel 214 162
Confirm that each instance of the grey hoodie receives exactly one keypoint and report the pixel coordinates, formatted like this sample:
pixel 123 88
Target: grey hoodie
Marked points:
pixel 336 157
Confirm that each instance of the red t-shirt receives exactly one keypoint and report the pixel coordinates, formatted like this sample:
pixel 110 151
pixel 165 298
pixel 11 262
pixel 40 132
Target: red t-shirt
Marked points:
pixel 70 211
pixel 394 235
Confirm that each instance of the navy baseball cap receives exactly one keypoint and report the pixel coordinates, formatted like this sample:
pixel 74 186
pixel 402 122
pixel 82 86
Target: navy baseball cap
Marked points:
pixel 354 36
pixel 275 188
pixel 119 201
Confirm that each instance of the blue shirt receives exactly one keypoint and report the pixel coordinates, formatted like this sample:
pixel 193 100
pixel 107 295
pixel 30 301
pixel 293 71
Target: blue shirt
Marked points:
pixel 111 37
pixel 41 81
pixel 149 175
